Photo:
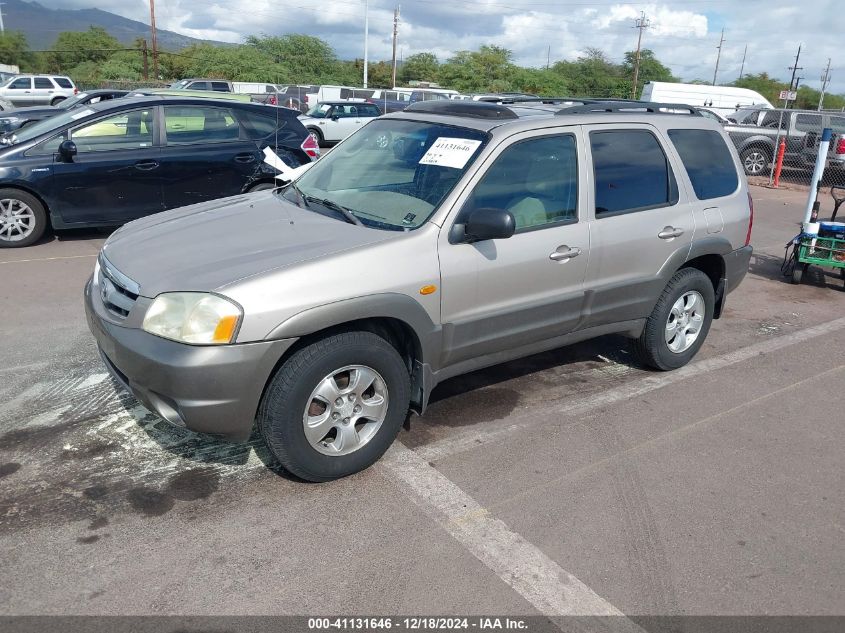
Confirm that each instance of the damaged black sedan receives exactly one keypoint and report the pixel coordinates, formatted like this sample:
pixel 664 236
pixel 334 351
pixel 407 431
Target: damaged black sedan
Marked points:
pixel 119 160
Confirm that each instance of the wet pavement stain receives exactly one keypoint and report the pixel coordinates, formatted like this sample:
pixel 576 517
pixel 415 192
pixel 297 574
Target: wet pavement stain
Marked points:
pixel 149 502
pixel 9 469
pixel 197 483
pixel 88 540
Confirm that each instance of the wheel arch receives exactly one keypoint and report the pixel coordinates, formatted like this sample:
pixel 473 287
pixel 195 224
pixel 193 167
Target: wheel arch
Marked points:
pixel 34 194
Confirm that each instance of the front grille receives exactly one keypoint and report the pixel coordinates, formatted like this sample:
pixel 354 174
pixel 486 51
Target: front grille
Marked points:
pixel 117 291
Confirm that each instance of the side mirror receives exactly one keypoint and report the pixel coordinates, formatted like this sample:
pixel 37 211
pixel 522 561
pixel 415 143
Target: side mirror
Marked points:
pixel 488 223
pixel 335 117
pixel 67 150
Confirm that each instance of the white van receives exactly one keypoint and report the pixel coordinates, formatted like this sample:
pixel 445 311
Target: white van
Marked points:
pixel 722 99
pixel 337 93
pixel 246 87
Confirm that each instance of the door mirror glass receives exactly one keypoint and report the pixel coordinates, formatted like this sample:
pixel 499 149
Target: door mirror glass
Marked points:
pixel 489 223
pixel 67 150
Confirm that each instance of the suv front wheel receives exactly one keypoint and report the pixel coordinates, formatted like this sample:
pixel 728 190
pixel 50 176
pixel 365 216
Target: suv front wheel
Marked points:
pixel 679 323
pixel 335 406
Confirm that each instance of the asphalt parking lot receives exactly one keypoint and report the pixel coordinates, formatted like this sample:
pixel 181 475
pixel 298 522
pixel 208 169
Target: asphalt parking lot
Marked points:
pixel 572 482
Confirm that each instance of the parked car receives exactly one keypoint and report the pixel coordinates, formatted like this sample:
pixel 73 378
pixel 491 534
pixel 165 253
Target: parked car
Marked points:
pixel 712 114
pixel 391 100
pixel 24 116
pixel 836 151
pixel 332 121
pixel 119 160
pixel 199 94
pixel 756 131
pixel 30 90
pixel 215 85
pixel 722 99
pixel 325 310
pixel 337 93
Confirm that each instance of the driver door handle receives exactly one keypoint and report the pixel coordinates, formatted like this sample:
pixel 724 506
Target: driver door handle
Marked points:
pixel 146 165
pixel 564 253
pixel 670 232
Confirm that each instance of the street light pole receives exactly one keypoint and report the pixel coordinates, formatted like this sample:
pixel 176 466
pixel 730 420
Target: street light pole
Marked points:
pixel 366 37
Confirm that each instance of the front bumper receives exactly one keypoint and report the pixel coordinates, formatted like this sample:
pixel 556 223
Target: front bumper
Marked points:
pixel 211 389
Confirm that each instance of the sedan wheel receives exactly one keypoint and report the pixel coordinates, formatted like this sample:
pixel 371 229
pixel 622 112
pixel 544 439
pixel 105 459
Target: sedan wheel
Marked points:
pixel 22 218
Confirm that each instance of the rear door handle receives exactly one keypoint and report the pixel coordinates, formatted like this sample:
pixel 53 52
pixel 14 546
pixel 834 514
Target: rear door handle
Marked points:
pixel 245 158
pixel 146 165
pixel 564 253
pixel 669 233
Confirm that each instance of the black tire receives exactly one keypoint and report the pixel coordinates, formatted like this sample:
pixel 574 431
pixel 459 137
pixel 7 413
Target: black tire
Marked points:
pixel 755 160
pixel 57 101
pixel 651 347
pixel 318 136
pixel 799 270
pixel 261 186
pixel 280 414
pixel 39 214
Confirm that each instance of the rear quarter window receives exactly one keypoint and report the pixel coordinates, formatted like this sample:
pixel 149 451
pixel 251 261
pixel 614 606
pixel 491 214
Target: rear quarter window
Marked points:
pixel 64 82
pixel 708 162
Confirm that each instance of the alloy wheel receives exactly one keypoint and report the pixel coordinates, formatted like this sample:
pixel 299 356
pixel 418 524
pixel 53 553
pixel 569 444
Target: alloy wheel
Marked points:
pixel 755 162
pixel 17 220
pixel 685 320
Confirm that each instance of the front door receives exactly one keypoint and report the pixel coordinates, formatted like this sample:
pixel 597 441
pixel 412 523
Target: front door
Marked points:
pixel 504 294
pixel 115 176
pixel 641 220
pixel 205 156
pixel 19 92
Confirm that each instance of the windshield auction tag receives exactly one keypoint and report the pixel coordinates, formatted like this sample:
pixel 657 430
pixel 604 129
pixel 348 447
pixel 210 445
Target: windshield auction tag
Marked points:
pixel 450 152
pixel 81 113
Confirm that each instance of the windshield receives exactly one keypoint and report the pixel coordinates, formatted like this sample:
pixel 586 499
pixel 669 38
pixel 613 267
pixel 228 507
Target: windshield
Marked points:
pixel 319 111
pixel 392 174
pixel 67 104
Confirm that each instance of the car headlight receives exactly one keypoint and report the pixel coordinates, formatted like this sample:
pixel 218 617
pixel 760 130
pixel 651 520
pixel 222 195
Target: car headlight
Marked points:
pixel 193 317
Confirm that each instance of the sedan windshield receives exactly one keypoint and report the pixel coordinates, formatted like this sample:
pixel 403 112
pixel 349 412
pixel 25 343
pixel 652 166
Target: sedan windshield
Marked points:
pixel 391 174
pixel 37 129
pixel 68 104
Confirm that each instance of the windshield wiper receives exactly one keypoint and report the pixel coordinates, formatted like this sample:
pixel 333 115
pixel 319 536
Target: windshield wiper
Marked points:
pixel 334 206
pixel 299 195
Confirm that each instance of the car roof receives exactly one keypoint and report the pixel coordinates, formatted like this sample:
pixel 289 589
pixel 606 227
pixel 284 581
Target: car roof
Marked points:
pixel 171 99
pixel 486 116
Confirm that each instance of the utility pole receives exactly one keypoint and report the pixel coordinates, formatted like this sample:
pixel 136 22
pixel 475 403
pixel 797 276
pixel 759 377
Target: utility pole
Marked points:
pixel 794 68
pixel 395 36
pixel 742 67
pixel 146 61
pixel 2 26
pixel 154 39
pixel 825 82
pixel 641 24
pixel 366 37
pixel 718 55
pixel 549 57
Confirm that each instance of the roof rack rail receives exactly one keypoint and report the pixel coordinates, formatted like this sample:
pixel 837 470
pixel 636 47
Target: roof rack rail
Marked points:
pixel 515 100
pixel 623 106
pixel 473 109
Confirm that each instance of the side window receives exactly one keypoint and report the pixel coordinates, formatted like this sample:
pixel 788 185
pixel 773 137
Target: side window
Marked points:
pixel 199 124
pixel 536 180
pixel 775 119
pixel 63 82
pixel 50 146
pixel 261 125
pixel 808 122
pixel 198 85
pixel 370 110
pixel 24 83
pixel 220 86
pixel 345 93
pixel 708 162
pixel 43 83
pixel 127 130
pixel 631 172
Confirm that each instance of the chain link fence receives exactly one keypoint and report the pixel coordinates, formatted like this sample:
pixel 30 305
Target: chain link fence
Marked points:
pixel 759 134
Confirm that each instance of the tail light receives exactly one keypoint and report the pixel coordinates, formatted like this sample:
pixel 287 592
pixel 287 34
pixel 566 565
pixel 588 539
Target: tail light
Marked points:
pixel 310 147
pixel 840 145
pixel 273 100
pixel 750 219
pixel 75 90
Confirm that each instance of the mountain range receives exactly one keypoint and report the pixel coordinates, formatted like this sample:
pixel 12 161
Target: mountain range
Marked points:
pixel 42 25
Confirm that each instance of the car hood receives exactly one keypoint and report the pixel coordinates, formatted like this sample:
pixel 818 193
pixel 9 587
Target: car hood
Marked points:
pixel 31 113
pixel 208 246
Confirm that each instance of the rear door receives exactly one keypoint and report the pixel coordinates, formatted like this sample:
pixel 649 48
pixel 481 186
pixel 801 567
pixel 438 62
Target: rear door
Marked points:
pixel 43 90
pixel 205 155
pixel 641 221
pixel 115 176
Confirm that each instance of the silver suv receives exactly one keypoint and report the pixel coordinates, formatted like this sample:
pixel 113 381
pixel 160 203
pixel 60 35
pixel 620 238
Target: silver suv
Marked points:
pixel 478 234
pixel 29 90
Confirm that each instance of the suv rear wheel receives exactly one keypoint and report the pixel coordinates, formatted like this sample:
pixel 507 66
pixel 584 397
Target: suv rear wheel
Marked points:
pixel 335 406
pixel 679 323
pixel 57 101
pixel 754 160
pixel 23 218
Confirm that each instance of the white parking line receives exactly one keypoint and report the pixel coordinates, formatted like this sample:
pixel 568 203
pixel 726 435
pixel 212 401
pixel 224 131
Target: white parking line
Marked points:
pixel 552 590
pixel 46 259
pixel 471 436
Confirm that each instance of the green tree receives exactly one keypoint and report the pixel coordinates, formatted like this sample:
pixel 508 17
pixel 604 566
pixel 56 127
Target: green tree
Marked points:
pixel 14 49
pixel 76 47
pixel 650 69
pixel 419 67
pixel 593 75
pixel 307 58
pixel 489 69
